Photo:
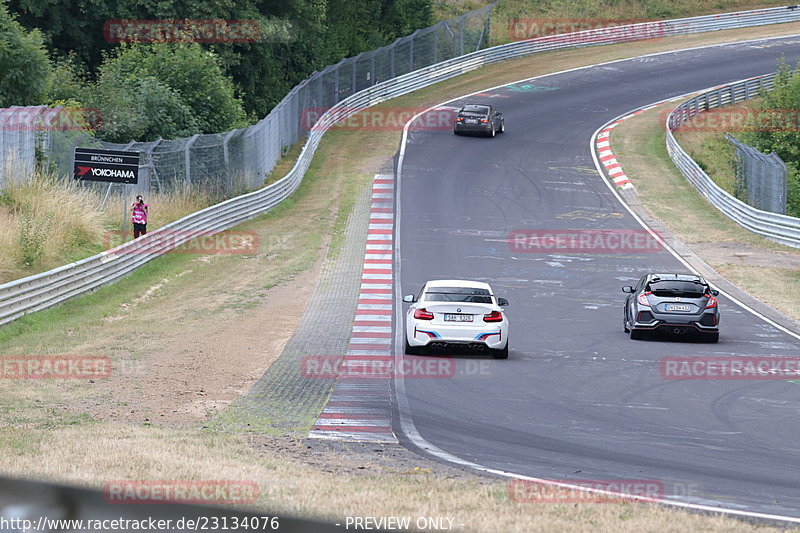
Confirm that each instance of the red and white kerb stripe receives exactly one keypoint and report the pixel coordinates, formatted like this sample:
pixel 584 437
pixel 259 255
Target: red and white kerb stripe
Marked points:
pixel 360 406
pixel 608 160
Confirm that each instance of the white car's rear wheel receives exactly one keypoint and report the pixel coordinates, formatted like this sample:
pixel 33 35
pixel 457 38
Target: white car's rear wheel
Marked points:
pixel 413 350
pixel 501 353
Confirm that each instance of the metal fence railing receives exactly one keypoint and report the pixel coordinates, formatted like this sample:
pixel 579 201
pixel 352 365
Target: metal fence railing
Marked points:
pixel 777 227
pixel 50 288
pixel 761 179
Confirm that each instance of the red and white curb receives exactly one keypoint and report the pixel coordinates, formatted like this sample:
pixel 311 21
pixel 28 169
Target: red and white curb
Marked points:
pixel 360 407
pixel 606 156
pixel 608 160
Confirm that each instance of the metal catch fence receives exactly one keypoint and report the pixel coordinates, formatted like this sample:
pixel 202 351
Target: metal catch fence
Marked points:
pixel 777 227
pixel 761 179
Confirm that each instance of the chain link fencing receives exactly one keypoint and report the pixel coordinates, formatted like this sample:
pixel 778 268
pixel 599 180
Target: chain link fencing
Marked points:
pixel 761 179
pixel 20 130
pixel 232 162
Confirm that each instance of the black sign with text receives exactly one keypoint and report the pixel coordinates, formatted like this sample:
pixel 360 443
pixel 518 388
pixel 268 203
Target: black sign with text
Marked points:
pixel 94 164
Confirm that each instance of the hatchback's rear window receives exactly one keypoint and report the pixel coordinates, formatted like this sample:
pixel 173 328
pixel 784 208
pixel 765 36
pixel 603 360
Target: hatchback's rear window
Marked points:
pixel 677 288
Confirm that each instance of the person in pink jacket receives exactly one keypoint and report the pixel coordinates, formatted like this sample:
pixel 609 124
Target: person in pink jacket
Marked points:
pixel 139 217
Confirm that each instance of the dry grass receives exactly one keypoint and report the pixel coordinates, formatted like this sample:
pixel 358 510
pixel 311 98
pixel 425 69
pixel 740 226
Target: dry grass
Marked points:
pixel 289 487
pixel 46 222
pixel 7 237
pixel 777 287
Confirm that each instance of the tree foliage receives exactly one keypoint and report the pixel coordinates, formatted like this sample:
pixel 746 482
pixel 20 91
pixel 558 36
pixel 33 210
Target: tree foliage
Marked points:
pixel 193 75
pixel 24 65
pixel 323 32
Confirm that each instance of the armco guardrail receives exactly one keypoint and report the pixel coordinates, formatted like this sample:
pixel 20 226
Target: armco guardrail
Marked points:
pixel 779 228
pixel 49 288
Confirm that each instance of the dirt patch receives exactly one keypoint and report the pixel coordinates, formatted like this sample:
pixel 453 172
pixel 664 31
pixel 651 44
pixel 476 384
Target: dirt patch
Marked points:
pixel 189 376
pixel 356 458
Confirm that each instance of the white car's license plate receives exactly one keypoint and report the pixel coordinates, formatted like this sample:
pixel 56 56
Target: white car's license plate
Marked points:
pixel 677 307
pixel 457 318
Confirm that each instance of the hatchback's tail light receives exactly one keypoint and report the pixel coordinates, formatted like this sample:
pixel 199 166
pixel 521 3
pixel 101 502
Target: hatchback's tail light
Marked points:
pixel 460 119
pixel 642 298
pixel 712 302
pixel 485 120
pixel 423 314
pixel 494 316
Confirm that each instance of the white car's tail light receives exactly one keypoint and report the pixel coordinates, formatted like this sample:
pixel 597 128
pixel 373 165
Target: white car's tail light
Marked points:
pixel 423 314
pixel 494 316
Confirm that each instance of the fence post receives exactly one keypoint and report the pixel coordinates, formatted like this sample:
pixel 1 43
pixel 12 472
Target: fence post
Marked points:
pixel 489 26
pixel 187 161
pixel 226 159
pixel 151 165
pixel 461 36
pixel 353 87
pixel 336 85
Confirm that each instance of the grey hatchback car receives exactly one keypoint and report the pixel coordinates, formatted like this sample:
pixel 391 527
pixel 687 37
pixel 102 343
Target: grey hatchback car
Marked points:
pixel 479 118
pixel 676 304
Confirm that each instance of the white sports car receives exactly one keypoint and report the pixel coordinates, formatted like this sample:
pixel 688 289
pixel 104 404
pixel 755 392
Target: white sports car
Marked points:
pixel 457 313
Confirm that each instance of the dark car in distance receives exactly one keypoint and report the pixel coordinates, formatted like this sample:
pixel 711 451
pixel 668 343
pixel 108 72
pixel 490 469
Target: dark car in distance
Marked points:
pixel 479 118
pixel 672 303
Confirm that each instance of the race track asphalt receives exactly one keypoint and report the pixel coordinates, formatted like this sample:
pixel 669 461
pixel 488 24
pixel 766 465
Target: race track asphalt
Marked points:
pixel 578 400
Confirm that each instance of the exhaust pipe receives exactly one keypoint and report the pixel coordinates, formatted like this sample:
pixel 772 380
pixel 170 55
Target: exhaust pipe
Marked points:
pixel 679 331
